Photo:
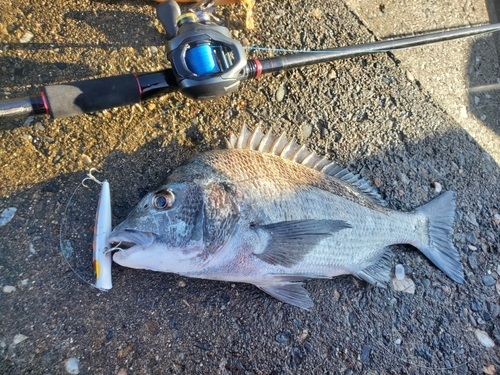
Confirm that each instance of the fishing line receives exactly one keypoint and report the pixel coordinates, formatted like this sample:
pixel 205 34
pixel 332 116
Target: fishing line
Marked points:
pixel 67 248
pixel 326 51
pixel 391 353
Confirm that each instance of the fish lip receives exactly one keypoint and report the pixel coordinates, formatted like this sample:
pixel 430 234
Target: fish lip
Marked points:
pixel 129 239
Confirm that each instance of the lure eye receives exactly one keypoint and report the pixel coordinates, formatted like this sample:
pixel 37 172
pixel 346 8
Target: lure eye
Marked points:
pixel 163 199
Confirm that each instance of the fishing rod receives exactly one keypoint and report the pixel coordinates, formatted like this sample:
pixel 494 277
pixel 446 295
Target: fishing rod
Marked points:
pixel 206 63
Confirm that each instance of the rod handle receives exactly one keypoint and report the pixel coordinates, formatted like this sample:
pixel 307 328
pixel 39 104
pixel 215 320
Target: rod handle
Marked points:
pixel 92 95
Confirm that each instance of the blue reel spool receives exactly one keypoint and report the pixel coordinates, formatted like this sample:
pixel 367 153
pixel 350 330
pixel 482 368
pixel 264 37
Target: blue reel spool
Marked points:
pixel 201 60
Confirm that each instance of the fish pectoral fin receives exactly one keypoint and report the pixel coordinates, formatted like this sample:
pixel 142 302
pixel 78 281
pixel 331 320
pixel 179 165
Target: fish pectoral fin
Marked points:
pixel 378 273
pixel 292 293
pixel 290 241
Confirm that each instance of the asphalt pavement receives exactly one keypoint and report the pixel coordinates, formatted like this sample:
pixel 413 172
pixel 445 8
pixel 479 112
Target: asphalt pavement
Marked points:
pixel 414 123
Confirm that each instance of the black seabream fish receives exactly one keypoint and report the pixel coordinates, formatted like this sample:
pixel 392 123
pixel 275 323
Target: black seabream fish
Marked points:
pixel 268 212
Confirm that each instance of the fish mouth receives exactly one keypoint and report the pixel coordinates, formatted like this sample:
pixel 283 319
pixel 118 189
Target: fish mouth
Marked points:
pixel 130 240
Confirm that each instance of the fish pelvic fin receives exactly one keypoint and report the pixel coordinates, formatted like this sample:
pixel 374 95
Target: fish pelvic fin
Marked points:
pixel 378 273
pixel 440 250
pixel 288 288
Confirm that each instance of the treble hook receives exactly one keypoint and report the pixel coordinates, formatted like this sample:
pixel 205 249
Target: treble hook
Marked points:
pixel 91 177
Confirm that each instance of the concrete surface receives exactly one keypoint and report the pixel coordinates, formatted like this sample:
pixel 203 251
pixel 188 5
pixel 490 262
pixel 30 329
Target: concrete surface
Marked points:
pixel 462 77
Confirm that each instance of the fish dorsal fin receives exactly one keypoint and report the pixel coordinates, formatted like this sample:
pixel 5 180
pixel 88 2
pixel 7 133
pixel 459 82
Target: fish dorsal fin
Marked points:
pixel 280 146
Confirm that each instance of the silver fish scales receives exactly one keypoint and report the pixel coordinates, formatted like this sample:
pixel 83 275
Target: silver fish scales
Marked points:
pixel 268 212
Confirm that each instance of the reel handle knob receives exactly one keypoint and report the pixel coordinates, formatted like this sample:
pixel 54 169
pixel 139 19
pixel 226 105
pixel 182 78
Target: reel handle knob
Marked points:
pixel 167 13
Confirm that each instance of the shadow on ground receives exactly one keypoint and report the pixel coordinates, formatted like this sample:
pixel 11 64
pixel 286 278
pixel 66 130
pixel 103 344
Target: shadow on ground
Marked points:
pixel 484 76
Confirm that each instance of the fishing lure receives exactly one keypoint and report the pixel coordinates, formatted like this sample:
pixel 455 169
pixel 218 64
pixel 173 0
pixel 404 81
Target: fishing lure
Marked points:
pixel 102 258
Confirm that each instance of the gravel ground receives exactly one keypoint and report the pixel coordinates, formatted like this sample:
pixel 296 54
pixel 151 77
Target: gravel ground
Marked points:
pixel 368 113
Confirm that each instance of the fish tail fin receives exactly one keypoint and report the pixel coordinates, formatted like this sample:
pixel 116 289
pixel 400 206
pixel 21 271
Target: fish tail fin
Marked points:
pixel 440 249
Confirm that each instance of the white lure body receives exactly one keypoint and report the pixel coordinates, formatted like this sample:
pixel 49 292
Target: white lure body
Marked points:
pixel 102 258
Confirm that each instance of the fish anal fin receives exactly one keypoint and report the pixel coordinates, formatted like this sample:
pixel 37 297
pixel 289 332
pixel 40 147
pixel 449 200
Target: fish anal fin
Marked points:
pixel 290 241
pixel 292 293
pixel 378 273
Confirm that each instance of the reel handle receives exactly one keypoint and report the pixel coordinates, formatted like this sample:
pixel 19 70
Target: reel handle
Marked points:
pixel 168 12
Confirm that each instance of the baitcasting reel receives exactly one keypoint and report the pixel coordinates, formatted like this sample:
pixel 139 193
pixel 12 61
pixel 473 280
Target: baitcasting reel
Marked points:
pixel 206 62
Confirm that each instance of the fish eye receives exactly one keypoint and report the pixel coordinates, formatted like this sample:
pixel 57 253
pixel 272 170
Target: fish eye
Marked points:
pixel 163 199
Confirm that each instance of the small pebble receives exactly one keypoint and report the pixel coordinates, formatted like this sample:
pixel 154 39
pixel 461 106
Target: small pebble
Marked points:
pixel 463 112
pixel 446 290
pixel 484 339
pixel 125 351
pixel 332 74
pixel 476 305
pixel 307 130
pixel 336 295
pixel 9 289
pixel 26 37
pixel 365 354
pixel 497 286
pixel 139 107
pixel 32 248
pixel 472 248
pixel 86 160
pixel 38 126
pixel 122 371
pixel 398 341
pixel 405 179
pixel 7 215
pixel 473 263
pixel 280 94
pixel 400 272
pixel 488 280
pixel 181 284
pixel 71 366
pixel 471 218
pixel 281 338
pixel 19 338
pixel 151 106
pixel 303 335
pixel 497 218
pixel 405 285
pixel 437 187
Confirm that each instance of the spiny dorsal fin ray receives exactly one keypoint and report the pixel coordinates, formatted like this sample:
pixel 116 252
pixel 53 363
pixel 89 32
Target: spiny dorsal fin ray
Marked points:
pixel 268 143
pixel 231 142
pixel 255 139
pixel 279 145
